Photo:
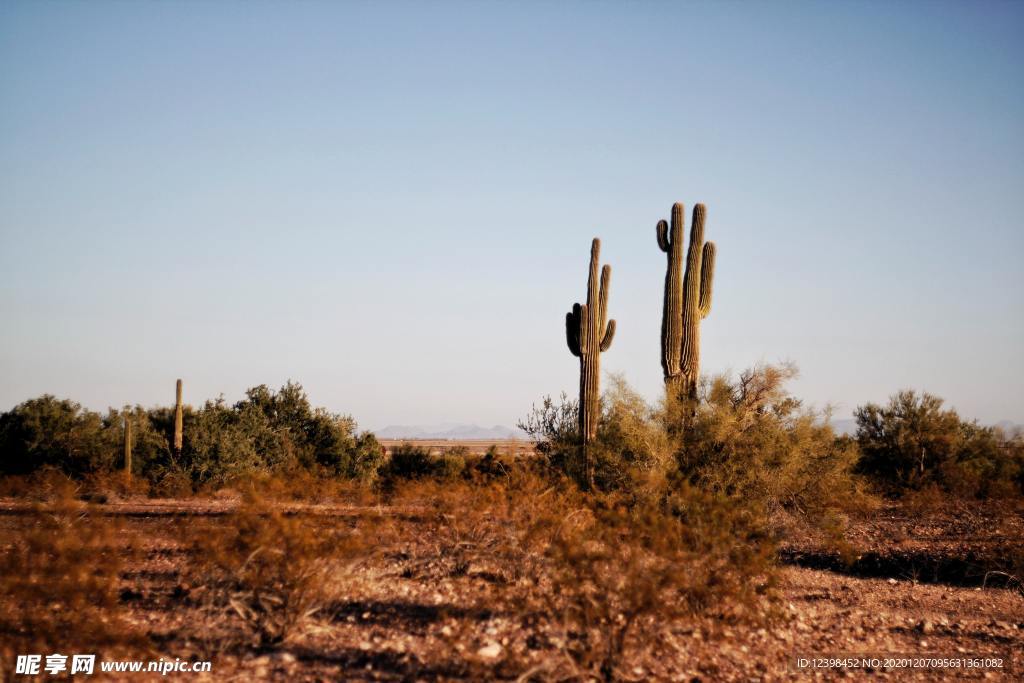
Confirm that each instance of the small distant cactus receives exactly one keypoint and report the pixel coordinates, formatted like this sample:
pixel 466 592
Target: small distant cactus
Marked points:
pixel 588 333
pixel 177 420
pixel 687 300
pixel 127 445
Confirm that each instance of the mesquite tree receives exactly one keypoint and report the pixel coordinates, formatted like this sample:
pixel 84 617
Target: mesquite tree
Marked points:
pixel 588 333
pixel 687 300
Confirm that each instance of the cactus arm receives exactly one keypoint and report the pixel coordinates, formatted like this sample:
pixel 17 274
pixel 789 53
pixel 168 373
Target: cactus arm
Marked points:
pixel 663 242
pixel 609 333
pixel 707 277
pixel 572 333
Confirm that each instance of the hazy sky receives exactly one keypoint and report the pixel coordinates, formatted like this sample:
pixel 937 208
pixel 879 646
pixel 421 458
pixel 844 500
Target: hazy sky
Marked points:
pixel 393 203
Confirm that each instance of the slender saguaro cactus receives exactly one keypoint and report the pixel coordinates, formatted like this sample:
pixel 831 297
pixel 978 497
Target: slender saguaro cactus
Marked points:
pixel 177 419
pixel 588 333
pixel 687 300
pixel 127 446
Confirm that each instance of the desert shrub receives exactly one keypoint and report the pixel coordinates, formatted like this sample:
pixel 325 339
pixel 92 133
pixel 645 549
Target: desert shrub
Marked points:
pixel 619 571
pixel 306 486
pixel 409 461
pixel 489 467
pixel 913 443
pixel 555 429
pixel 51 432
pixel 750 439
pixel 46 484
pixel 747 438
pixel 633 450
pixel 485 528
pixel 273 570
pixel 171 482
pixel 268 431
pixel 59 583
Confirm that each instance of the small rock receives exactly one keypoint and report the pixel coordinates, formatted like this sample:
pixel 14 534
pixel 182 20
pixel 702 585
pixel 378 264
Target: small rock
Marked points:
pixel 924 626
pixel 490 651
pixel 365 646
pixel 892 581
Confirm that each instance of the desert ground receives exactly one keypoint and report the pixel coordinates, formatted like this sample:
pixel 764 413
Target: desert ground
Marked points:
pixel 907 585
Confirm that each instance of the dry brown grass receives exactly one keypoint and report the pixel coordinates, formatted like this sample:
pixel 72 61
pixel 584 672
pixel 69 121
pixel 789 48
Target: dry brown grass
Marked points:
pixel 595 579
pixel 59 582
pixel 617 574
pixel 274 570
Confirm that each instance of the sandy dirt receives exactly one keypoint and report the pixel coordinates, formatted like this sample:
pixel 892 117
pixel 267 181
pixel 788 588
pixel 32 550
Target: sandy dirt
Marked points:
pixel 911 592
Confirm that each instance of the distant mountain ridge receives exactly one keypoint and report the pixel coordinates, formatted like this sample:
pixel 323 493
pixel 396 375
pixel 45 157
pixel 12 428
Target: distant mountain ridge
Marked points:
pixel 449 431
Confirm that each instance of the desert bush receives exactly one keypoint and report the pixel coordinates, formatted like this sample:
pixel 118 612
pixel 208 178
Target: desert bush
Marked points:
pixel 633 451
pixel 486 528
pixel 273 570
pixel 746 438
pixel 489 467
pixel 554 427
pixel 307 486
pixel 50 432
pixel 268 431
pixel 913 443
pixel 750 439
pixel 59 583
pixel 409 461
pixel 618 572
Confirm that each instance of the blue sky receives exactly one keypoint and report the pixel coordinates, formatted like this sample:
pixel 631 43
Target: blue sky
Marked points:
pixel 392 202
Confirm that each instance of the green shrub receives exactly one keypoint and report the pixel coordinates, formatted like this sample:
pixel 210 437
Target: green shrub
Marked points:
pixel 267 432
pixel 47 431
pixel 751 439
pixel 913 443
pixel 409 461
pixel 746 439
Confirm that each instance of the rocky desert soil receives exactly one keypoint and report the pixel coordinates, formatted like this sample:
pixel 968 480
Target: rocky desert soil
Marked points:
pixel 914 591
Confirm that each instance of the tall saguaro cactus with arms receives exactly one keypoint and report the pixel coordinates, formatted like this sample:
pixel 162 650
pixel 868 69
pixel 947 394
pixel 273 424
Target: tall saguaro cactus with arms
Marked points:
pixel 588 333
pixel 687 300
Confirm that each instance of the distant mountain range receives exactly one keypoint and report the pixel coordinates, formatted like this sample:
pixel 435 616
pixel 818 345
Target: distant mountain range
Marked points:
pixel 449 431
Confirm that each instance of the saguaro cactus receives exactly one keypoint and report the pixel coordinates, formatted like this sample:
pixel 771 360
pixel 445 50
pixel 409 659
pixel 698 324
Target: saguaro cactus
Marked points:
pixel 127 445
pixel 588 333
pixel 687 300
pixel 177 419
